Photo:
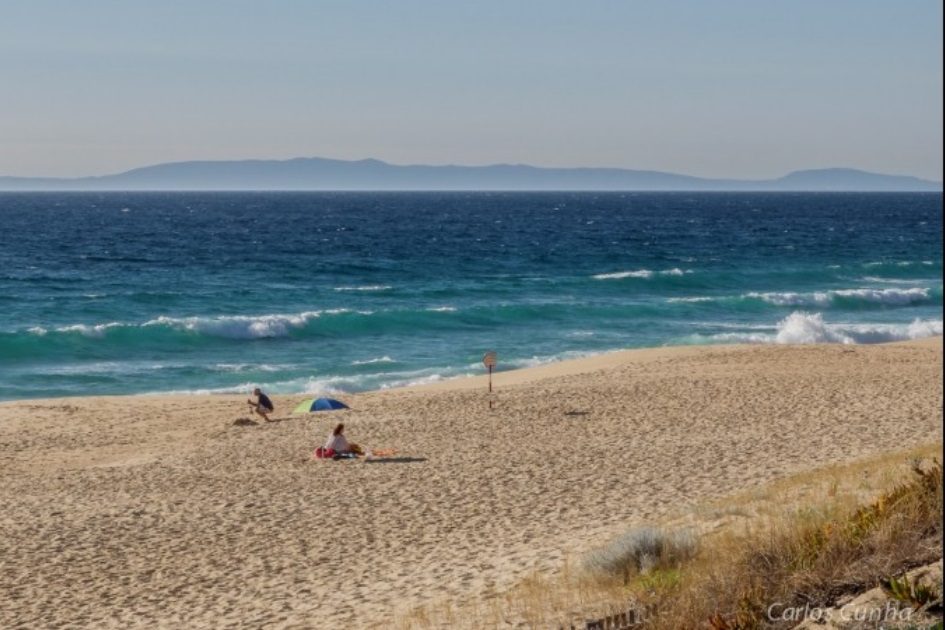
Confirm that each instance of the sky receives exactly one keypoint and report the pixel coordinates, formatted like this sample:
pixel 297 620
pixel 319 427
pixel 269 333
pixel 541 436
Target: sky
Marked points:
pixel 728 88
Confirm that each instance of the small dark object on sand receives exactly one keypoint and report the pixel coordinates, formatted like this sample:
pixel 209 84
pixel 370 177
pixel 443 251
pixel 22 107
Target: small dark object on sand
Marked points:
pixel 576 413
pixel 244 422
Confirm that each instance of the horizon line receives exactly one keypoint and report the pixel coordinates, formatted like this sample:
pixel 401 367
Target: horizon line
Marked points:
pixel 661 191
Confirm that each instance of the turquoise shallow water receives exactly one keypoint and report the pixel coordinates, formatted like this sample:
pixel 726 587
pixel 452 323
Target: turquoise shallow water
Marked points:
pixel 321 292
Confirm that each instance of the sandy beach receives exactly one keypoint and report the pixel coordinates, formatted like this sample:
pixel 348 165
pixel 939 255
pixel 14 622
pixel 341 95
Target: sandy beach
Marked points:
pixel 156 511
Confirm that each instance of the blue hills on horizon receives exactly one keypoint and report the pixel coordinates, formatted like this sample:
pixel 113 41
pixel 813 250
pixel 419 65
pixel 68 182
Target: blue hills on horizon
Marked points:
pixel 374 175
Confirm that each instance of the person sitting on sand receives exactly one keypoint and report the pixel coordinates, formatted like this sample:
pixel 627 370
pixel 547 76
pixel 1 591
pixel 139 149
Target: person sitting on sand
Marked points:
pixel 338 443
pixel 263 406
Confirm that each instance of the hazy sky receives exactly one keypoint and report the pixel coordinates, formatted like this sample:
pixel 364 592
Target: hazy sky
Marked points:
pixel 724 88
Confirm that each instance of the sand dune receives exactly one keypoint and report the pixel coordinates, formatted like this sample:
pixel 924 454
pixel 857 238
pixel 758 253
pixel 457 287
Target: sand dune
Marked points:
pixel 156 511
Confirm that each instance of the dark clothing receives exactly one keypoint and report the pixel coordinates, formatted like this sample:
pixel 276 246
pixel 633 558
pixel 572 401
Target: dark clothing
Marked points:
pixel 265 402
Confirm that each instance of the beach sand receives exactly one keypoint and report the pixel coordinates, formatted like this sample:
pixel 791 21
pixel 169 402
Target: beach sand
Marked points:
pixel 155 511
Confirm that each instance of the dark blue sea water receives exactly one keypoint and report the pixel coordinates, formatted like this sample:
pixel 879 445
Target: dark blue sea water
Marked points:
pixel 318 292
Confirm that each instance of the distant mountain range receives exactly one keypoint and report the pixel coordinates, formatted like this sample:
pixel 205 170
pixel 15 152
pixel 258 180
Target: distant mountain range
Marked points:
pixel 327 174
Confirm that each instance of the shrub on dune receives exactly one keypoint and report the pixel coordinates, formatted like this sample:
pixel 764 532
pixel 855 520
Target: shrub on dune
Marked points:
pixel 642 550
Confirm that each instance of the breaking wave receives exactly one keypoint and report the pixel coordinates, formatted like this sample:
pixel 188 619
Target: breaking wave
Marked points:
pixel 810 328
pixel 892 297
pixel 242 326
pixel 852 299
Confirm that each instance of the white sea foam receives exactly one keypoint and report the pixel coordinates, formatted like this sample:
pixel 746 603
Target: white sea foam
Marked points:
pixel 810 328
pixel 732 337
pixel 425 380
pixel 640 273
pixel 891 280
pixel 96 330
pixel 536 360
pixel 243 388
pixel 306 385
pixel 383 359
pixel 106 367
pixel 442 309
pixel 735 326
pixel 318 386
pixel 801 327
pixel 431 376
pixel 790 298
pixel 887 296
pixel 891 296
pixel 243 326
pixel 619 275
pixel 897 263
pixel 695 299
pixel 248 367
pixel 367 287
pixel 332 385
pixel 227 326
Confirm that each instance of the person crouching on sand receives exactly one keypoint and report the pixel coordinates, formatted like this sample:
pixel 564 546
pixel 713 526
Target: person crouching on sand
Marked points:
pixel 263 406
pixel 338 443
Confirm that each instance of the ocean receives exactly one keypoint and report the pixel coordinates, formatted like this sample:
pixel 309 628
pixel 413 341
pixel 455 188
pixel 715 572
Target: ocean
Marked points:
pixel 119 293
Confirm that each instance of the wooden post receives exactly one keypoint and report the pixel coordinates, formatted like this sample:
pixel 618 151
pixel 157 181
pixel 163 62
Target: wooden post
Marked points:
pixel 489 360
pixel 490 386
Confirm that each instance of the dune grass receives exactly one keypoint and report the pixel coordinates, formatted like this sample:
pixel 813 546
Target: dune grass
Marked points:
pixel 811 560
pixel 807 539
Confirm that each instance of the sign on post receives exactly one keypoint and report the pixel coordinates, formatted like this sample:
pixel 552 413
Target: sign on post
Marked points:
pixel 489 360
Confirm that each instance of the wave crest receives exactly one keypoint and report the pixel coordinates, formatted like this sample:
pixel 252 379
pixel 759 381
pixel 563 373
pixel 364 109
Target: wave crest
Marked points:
pixel 383 359
pixel 367 287
pixel 241 326
pixel 892 296
pixel 640 273
pixel 810 328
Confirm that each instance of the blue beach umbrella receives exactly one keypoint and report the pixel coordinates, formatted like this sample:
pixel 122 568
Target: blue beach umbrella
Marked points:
pixel 319 404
